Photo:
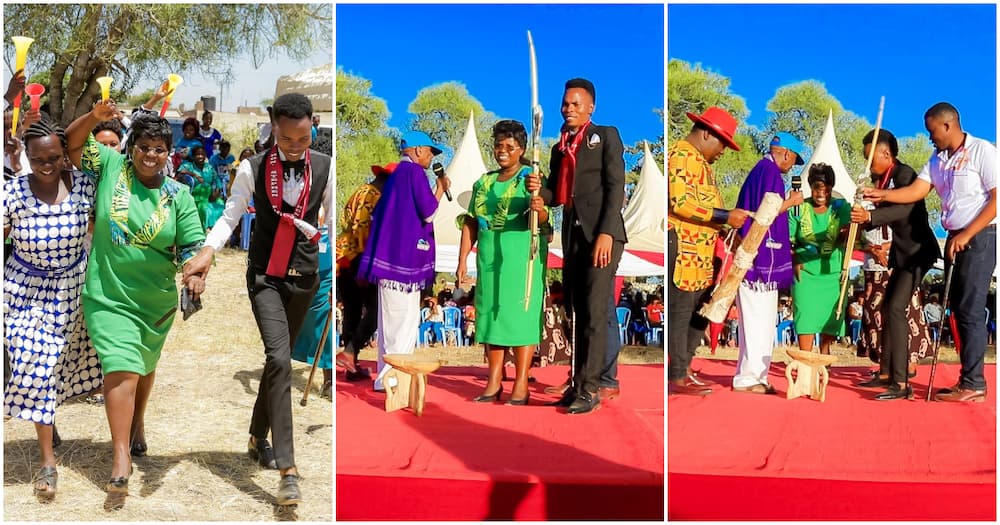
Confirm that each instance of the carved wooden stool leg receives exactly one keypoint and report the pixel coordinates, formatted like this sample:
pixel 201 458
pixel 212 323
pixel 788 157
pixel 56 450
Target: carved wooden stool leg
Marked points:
pixel 398 387
pixel 418 394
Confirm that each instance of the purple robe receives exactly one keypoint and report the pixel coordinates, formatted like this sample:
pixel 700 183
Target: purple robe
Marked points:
pixel 772 267
pixel 400 245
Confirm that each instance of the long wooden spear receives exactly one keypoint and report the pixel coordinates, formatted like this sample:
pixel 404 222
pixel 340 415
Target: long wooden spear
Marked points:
pixel 536 138
pixel 852 232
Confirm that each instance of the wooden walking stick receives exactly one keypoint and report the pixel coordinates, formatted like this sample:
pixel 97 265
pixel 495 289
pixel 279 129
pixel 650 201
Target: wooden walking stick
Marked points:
pixel 852 231
pixel 319 350
pixel 536 138
pixel 725 293
pixel 940 330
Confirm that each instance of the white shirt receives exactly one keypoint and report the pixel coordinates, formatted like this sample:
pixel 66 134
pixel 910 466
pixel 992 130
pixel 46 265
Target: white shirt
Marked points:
pixel 242 192
pixel 963 180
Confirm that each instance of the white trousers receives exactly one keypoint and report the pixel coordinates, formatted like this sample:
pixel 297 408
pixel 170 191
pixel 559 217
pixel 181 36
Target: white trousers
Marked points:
pixel 398 322
pixel 758 318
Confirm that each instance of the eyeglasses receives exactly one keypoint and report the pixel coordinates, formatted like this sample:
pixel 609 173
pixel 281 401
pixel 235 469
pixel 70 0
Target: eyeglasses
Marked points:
pixel 146 150
pixel 506 147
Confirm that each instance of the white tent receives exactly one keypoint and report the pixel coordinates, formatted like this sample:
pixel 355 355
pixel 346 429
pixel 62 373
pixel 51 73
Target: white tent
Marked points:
pixel 315 83
pixel 644 215
pixel 464 170
pixel 828 152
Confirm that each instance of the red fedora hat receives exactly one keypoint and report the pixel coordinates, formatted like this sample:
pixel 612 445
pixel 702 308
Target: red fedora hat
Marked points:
pixel 722 124
pixel 387 170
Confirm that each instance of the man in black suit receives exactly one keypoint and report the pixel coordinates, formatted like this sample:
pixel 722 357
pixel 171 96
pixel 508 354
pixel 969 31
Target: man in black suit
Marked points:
pixel 914 251
pixel 588 178
pixel 289 184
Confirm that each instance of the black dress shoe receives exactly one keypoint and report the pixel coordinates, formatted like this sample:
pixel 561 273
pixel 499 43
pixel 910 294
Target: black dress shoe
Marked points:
pixel 875 382
pixel 896 392
pixel 584 403
pixel 566 400
pixel 288 490
pixel 519 402
pixel 361 375
pixel 262 453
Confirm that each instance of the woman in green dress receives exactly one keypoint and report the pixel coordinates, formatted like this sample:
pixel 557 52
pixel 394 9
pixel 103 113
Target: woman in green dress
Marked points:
pixel 498 221
pixel 818 250
pixel 207 186
pixel 146 228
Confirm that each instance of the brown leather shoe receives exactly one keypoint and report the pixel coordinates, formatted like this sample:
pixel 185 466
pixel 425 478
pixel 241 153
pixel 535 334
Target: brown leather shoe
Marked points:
pixel 695 380
pixel 557 390
pixel 963 395
pixel 608 392
pixel 689 388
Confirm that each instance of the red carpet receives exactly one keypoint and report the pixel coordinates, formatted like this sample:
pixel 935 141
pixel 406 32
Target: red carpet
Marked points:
pixel 735 456
pixel 476 461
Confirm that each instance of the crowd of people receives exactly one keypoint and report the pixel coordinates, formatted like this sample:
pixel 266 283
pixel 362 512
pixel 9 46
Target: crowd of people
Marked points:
pixel 99 225
pixel 805 247
pixel 386 253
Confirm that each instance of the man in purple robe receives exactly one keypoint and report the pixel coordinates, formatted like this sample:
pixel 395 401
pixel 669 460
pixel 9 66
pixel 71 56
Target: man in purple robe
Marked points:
pixel 399 253
pixel 757 299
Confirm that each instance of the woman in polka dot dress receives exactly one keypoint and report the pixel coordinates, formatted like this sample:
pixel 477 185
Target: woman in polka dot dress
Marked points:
pixel 46 216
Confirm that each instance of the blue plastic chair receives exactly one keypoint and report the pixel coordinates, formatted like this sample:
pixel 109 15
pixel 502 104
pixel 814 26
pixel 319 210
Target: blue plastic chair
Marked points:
pixel 425 334
pixel 246 227
pixel 453 324
pixel 623 317
pixel 655 336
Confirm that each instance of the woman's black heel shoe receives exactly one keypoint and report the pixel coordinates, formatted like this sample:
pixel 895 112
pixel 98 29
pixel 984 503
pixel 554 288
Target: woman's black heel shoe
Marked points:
pixel 519 402
pixel 490 398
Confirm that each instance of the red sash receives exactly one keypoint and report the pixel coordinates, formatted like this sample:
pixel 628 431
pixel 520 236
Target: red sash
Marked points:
pixel 284 237
pixel 567 168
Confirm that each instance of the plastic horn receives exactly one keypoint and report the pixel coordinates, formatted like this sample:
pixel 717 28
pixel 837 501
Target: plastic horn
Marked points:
pixel 35 92
pixel 173 80
pixel 21 44
pixel 105 83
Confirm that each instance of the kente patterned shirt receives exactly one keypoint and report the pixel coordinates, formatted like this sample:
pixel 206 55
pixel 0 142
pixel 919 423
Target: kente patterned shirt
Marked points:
pixel 355 224
pixel 693 195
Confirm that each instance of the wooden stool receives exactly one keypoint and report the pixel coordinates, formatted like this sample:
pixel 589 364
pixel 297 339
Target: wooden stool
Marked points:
pixel 811 376
pixel 410 374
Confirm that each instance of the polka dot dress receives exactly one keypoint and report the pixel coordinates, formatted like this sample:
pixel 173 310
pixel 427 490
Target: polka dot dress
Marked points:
pixel 51 357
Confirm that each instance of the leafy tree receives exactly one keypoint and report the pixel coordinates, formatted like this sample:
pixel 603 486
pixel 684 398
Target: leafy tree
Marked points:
pixel 442 111
pixel 132 42
pixel 363 137
pixel 694 89
pixel 801 109
pixel 914 152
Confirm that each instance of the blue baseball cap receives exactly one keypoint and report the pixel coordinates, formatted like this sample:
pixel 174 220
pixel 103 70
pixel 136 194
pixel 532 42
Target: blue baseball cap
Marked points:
pixel 789 142
pixel 412 139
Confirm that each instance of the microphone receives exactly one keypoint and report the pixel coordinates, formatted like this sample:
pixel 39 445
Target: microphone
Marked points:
pixel 797 186
pixel 439 171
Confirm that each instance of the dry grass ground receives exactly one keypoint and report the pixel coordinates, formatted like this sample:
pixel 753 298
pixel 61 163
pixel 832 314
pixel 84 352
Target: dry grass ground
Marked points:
pixel 196 427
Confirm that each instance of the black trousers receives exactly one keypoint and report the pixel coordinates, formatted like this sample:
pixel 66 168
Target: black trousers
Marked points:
pixel 970 288
pixel 360 309
pixel 899 292
pixel 588 290
pixel 685 328
pixel 279 306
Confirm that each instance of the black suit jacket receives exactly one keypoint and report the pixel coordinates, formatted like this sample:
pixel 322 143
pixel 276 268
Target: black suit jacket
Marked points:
pixel 598 185
pixel 913 241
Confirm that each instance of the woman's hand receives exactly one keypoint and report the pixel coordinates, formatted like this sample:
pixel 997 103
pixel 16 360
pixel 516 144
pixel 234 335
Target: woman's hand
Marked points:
pixel 536 204
pixel 196 285
pixel 158 95
pixel 105 110
pixel 15 86
pixel 460 273
pixel 30 117
pixel 533 182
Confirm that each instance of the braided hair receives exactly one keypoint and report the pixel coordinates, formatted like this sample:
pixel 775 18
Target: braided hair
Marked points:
pixel 44 128
pixel 148 126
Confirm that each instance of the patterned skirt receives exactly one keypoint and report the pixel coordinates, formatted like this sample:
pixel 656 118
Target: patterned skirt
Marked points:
pixel 872 325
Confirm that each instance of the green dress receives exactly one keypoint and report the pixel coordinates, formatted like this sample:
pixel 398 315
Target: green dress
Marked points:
pixel 815 292
pixel 208 211
pixel 142 237
pixel 500 212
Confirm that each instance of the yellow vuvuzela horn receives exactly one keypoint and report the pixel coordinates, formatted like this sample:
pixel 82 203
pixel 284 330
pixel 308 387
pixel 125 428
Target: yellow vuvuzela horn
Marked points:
pixel 105 83
pixel 21 44
pixel 173 80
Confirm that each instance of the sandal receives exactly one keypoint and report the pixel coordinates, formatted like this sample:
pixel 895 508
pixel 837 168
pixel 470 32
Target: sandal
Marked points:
pixel 48 478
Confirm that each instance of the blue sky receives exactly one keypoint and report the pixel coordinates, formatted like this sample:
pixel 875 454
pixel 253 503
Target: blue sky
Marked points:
pixel 914 55
pixel 619 48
